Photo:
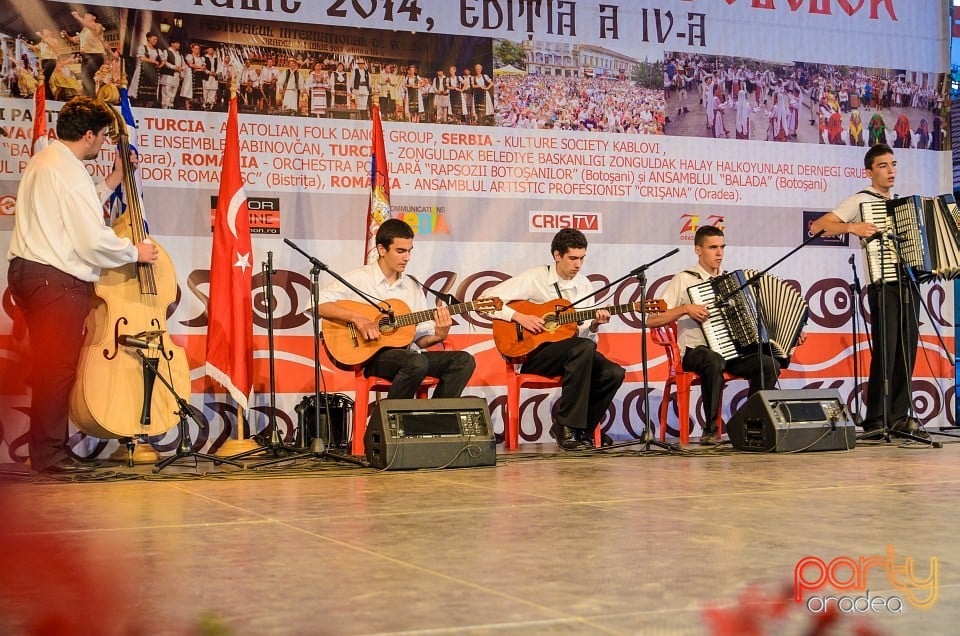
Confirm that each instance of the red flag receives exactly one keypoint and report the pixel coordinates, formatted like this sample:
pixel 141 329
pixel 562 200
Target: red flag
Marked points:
pixel 40 139
pixel 230 307
pixel 378 209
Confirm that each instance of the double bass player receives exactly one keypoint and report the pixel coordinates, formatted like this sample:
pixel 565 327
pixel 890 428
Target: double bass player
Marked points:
pixel 59 247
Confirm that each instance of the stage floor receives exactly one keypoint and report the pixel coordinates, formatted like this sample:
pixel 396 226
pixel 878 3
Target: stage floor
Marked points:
pixel 620 542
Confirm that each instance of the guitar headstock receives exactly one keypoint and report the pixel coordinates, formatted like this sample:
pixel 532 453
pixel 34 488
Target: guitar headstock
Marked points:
pixel 486 305
pixel 653 306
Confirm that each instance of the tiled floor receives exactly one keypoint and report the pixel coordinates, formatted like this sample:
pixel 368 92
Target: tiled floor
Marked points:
pixel 621 543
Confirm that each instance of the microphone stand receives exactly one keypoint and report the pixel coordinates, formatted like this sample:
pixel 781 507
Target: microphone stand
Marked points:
pixel 887 432
pixel 754 280
pixel 185 448
pixel 275 444
pixel 647 437
pixel 855 291
pixel 318 446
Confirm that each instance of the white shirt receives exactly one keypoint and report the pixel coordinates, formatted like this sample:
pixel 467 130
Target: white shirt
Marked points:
pixel 689 332
pixel 849 212
pixel 539 285
pixel 59 218
pixel 371 280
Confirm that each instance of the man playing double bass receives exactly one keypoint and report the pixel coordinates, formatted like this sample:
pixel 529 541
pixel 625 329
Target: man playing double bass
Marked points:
pixel 59 246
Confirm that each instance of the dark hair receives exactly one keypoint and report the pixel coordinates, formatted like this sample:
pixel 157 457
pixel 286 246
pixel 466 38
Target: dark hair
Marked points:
pixel 393 229
pixel 568 239
pixel 875 151
pixel 81 114
pixel 152 34
pixel 704 232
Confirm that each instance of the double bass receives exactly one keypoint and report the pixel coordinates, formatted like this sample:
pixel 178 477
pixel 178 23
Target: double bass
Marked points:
pixel 116 394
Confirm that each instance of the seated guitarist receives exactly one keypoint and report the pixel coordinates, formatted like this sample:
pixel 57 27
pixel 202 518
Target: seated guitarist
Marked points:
pixel 384 280
pixel 590 381
pixel 761 370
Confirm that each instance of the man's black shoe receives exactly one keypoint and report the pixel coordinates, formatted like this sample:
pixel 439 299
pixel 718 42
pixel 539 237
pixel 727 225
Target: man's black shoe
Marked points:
pixel 870 426
pixel 709 439
pixel 69 466
pixel 911 426
pixel 565 440
pixel 587 437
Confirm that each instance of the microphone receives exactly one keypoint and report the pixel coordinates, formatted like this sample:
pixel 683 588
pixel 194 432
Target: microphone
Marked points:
pixel 133 342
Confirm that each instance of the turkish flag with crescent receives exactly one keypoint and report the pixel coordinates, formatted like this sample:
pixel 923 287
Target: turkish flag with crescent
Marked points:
pixel 230 307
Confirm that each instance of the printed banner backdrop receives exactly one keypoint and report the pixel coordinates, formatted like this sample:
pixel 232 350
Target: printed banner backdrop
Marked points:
pixel 635 121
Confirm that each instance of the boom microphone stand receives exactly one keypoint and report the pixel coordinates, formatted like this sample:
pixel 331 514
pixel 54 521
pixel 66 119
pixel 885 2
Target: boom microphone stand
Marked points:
pixel 888 431
pixel 317 445
pixel 280 451
pixel 855 291
pixel 185 449
pixel 646 437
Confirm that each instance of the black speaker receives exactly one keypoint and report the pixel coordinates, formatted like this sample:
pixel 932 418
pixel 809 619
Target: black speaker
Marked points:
pixel 437 433
pixel 792 421
pixel 336 434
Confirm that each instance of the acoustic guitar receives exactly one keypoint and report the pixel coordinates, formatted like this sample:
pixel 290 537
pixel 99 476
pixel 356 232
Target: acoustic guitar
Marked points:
pixel 397 329
pixel 559 323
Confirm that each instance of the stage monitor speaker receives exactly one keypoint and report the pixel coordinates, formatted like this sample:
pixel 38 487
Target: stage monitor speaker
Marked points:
pixel 437 433
pixel 792 421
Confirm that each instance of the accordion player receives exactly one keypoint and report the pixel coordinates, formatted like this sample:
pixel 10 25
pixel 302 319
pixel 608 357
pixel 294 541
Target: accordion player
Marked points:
pixel 767 315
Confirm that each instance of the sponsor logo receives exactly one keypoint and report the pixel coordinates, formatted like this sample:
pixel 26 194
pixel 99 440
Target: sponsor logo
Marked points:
pixel 690 223
pixel 424 219
pixel 264 214
pixel 813 578
pixel 8 205
pixel 586 222
pixel 841 240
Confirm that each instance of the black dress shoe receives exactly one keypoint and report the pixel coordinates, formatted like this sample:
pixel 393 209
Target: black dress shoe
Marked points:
pixel 565 440
pixel 69 466
pixel 911 426
pixel 709 439
pixel 587 437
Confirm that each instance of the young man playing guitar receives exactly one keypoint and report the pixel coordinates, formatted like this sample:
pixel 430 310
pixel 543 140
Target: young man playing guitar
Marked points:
pixel 590 381
pixel 385 280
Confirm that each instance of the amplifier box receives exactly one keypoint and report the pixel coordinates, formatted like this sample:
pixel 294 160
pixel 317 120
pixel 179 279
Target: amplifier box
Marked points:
pixel 792 421
pixel 437 433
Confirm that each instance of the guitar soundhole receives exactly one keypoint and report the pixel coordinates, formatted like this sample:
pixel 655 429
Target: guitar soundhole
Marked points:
pixel 550 323
pixel 387 328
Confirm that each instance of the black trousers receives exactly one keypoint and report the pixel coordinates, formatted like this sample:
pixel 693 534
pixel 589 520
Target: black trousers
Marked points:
pixel 589 381
pixel 54 305
pixel 406 370
pixel 761 370
pixel 894 316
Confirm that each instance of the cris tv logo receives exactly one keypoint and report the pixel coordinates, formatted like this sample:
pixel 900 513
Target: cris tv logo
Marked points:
pixel 813 574
pixel 690 223
pixel 586 222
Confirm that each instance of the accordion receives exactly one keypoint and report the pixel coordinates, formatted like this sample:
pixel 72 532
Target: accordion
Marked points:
pixel 732 328
pixel 922 233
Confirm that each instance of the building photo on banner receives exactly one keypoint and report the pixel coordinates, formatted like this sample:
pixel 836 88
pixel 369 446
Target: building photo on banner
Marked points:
pixel 613 317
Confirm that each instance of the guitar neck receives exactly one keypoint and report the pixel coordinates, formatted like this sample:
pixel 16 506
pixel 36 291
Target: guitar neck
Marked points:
pixel 588 314
pixel 416 317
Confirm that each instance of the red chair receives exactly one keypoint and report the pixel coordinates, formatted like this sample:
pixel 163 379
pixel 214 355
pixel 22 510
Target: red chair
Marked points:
pixel 515 382
pixel 361 402
pixel 666 337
